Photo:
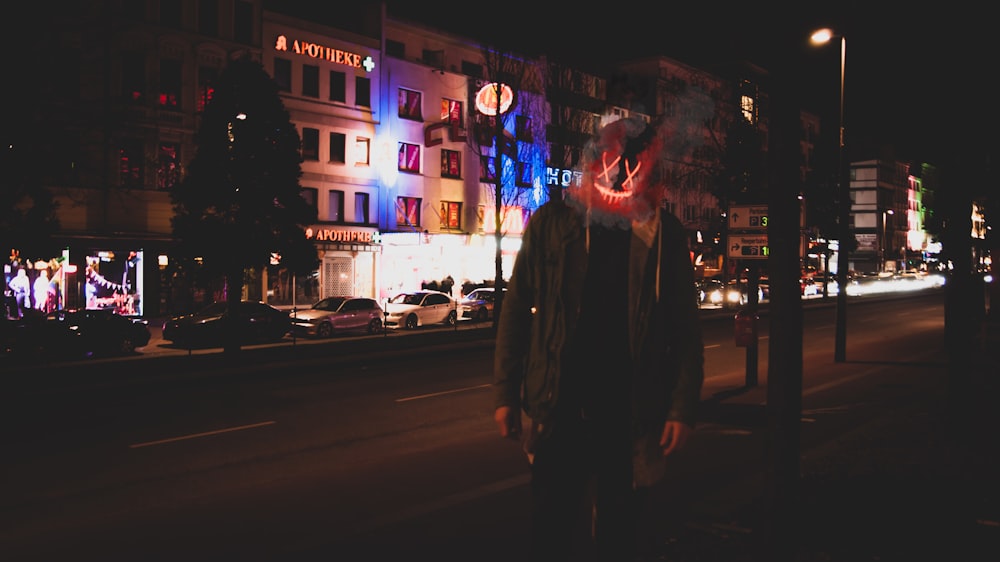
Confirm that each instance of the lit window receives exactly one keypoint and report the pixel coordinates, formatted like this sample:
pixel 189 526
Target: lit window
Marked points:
pixel 487 169
pixel 409 105
pixel 451 215
pixel 168 171
pixel 451 164
pixel 362 151
pixel 409 157
pixel 451 112
pixel 407 212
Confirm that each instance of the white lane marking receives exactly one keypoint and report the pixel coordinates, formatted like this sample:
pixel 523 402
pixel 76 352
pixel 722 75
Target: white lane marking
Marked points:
pixel 202 434
pixel 443 393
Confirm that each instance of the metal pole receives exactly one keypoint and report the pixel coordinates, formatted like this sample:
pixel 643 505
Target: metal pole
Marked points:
pixel 840 341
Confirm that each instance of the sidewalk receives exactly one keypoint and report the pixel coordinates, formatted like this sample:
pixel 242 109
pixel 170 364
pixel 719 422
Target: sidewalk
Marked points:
pixel 922 487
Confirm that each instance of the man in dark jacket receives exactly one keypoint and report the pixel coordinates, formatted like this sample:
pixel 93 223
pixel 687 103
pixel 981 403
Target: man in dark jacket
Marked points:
pixel 599 345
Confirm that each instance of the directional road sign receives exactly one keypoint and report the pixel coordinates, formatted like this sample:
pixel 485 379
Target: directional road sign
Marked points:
pixel 747 246
pixel 748 217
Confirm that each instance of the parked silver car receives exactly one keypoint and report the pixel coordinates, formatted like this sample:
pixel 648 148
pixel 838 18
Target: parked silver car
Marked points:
pixel 334 315
pixel 419 308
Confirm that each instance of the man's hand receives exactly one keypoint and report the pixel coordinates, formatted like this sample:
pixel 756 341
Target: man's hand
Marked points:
pixel 675 435
pixel 509 422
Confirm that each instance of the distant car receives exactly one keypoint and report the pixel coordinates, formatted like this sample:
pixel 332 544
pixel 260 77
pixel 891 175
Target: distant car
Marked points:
pixel 338 314
pixel 420 308
pixel 67 334
pixel 254 322
pixel 478 304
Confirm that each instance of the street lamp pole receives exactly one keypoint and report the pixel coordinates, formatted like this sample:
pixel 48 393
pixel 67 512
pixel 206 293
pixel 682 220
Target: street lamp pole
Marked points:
pixel 820 37
pixel 885 234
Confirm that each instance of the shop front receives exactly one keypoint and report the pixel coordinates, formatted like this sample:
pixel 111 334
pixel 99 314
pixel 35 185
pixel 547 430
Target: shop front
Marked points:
pixel 348 267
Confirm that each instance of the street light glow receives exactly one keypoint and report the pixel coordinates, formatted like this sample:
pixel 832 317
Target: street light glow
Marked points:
pixel 821 36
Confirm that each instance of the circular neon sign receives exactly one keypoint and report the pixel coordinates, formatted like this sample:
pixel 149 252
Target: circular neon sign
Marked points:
pixel 486 98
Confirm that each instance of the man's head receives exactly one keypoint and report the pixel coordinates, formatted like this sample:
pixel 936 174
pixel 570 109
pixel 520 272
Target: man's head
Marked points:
pixel 620 171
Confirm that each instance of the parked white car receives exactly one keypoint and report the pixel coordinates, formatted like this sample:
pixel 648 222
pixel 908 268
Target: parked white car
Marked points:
pixel 420 308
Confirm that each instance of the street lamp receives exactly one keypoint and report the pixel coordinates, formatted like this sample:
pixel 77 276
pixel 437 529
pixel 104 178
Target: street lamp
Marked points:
pixel 822 37
pixel 884 242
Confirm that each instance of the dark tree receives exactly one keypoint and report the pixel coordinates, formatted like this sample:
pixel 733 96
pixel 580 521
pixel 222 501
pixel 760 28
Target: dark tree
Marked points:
pixel 28 218
pixel 240 202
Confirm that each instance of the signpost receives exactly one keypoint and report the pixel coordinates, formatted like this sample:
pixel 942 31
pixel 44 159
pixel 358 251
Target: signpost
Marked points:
pixel 747 246
pixel 748 217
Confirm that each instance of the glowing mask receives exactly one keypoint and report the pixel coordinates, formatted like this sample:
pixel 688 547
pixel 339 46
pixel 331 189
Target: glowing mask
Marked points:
pixel 619 168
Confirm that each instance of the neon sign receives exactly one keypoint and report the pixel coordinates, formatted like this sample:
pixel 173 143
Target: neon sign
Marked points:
pixel 317 51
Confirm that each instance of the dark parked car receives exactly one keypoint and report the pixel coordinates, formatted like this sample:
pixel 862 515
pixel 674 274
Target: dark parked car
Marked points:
pixel 253 322
pixel 68 334
pixel 478 305
pixel 338 314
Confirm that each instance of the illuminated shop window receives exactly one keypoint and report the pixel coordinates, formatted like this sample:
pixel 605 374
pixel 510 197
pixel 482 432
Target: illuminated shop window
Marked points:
pixel 170 84
pixel 168 171
pixel 451 215
pixel 409 105
pixel 130 163
pixel 363 151
pixel 206 86
pixel 451 164
pixel 451 112
pixel 408 212
pixel 409 157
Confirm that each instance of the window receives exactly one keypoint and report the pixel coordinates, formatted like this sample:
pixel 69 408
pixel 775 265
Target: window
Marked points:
pixel 338 147
pixel 361 207
pixel 243 22
pixel 335 206
pixel 310 80
pixel 363 147
pixel 409 105
pixel 472 69
pixel 130 159
pixel 362 91
pixel 170 84
pixel 170 13
pixel 407 212
pixel 522 129
pixel 338 86
pixel 310 195
pixel 409 157
pixel 434 57
pixel 487 169
pixel 451 215
pixel 283 74
pixel 451 164
pixel 395 49
pixel 451 112
pixel 208 17
pixel 134 77
pixel 523 174
pixel 168 170
pixel 206 85
pixel 310 144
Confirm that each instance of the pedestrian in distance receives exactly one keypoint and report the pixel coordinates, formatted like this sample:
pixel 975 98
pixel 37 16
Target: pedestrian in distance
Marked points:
pixel 599 347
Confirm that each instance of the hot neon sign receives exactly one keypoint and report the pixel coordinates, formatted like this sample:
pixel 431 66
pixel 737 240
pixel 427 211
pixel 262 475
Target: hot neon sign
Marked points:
pixel 317 51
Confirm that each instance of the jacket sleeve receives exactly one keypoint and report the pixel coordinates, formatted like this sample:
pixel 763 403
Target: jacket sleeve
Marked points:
pixel 514 324
pixel 686 334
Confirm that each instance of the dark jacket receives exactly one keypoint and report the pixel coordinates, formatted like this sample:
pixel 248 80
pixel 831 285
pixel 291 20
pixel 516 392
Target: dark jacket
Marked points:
pixel 541 307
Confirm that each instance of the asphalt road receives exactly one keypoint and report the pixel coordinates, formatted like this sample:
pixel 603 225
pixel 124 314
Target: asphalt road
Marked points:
pixel 345 453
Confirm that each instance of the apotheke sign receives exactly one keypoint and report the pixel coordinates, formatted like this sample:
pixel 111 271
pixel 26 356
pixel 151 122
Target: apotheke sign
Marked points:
pixel 316 51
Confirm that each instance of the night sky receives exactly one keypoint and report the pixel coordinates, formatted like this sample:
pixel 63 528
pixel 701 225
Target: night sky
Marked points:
pixel 915 81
